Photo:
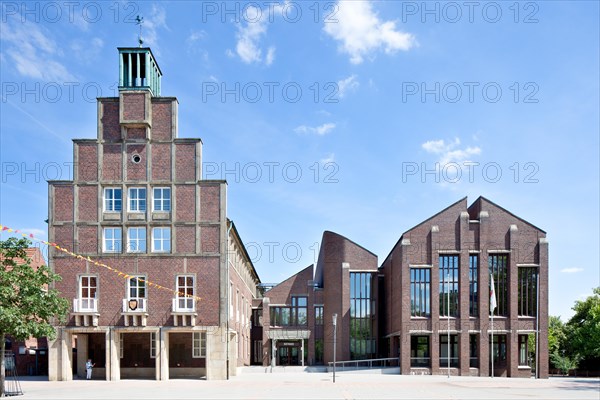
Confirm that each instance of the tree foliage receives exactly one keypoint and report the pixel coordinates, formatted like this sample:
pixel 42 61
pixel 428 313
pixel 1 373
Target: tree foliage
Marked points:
pixel 27 307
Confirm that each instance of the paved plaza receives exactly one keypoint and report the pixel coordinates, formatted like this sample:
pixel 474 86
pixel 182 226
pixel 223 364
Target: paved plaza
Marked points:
pixel 319 386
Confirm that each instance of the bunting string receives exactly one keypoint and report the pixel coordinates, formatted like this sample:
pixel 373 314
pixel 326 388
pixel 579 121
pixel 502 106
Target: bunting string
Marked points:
pixel 95 262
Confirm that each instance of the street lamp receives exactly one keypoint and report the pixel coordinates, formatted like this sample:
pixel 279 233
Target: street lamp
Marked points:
pixel 334 317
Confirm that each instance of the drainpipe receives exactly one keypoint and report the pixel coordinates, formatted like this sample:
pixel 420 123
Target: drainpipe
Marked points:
pixel 228 306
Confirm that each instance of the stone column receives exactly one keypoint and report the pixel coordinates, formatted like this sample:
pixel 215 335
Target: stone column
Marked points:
pixel 82 354
pixel 162 355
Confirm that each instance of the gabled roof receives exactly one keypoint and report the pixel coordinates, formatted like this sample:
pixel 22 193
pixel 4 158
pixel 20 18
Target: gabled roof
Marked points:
pixel 348 240
pixel 464 199
pixel 480 198
pixel 311 266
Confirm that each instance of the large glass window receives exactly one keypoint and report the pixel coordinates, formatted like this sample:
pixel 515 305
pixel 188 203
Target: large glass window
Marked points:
pixel 362 340
pixel 136 240
pixel 161 240
pixel 528 291
pixel 161 199
pixel 498 265
pixel 299 310
pixel 473 285
pixel 499 348
pixel 419 351
pixel 113 199
pixel 137 199
pixel 523 350
pixel 448 285
pixel 185 292
pixel 112 240
pixel 318 315
pixel 473 351
pixel 420 292
pixel 453 351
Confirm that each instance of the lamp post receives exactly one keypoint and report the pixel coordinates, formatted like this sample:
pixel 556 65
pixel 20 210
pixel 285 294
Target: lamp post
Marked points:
pixel 334 318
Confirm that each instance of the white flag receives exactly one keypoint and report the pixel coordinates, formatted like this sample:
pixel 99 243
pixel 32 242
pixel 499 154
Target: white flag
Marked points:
pixel 493 303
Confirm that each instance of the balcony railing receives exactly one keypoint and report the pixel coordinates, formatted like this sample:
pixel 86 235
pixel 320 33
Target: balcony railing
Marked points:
pixel 365 364
pixel 85 305
pixel 135 305
pixel 184 305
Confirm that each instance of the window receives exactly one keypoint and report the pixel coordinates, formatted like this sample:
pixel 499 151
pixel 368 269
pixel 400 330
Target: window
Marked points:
pixel 473 285
pixel 453 351
pixel 498 264
pixel 136 288
pixel 419 351
pixel 120 345
pixel 87 293
pixel 299 310
pixel 137 199
pixel 152 344
pixel 198 344
pixel 319 351
pixel 448 286
pixel 257 317
pixel 257 352
pixel 499 348
pixel 528 277
pixel 136 240
pixel 112 240
pixel 161 240
pixel 185 293
pixel 362 340
pixel 162 199
pixel 280 316
pixel 523 350
pixel 473 349
pixel 230 300
pixel 319 315
pixel 420 292
pixel 113 199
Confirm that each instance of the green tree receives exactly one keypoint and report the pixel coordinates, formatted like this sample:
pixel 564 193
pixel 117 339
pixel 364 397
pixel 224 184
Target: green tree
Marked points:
pixel 583 330
pixel 564 363
pixel 27 307
pixel 556 338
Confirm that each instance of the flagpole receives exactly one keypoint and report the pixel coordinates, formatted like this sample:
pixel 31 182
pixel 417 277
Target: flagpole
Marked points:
pixel 493 305
pixel 448 307
pixel 492 344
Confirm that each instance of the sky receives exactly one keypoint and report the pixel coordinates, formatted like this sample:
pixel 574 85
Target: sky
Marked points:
pixel 363 118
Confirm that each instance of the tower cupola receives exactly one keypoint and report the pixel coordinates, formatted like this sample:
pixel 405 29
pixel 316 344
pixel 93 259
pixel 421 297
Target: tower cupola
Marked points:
pixel 138 70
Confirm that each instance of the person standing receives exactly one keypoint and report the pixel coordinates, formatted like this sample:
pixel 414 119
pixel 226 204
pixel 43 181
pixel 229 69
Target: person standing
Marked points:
pixel 88 368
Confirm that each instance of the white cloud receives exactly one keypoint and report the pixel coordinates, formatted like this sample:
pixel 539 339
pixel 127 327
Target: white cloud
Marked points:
pixel 449 152
pixel 87 51
pixel 270 56
pixel 33 52
pixel 150 26
pixel 250 32
pixel 328 159
pixel 347 85
pixel 318 130
pixel 572 270
pixel 361 33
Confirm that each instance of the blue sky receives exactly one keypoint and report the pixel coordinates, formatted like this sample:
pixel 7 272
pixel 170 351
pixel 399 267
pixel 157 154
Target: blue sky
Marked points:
pixel 327 115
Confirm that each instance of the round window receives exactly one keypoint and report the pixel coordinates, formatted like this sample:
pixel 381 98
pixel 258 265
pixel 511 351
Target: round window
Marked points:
pixel 136 158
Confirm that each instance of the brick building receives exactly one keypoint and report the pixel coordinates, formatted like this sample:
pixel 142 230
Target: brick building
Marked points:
pixel 138 203
pixel 427 306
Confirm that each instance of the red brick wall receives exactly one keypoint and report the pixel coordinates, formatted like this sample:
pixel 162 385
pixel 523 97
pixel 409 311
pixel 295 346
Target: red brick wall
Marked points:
pixel 63 203
pixel 87 168
pixel 184 153
pixel 110 127
pixel 209 238
pixel 161 162
pixel 112 163
pixel 186 203
pixel 133 106
pixel 210 202
pixel 162 119
pixel 136 172
pixel 87 208
pixel 186 239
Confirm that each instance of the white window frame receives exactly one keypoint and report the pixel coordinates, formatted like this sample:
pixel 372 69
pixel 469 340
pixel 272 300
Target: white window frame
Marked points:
pixel 136 240
pixel 198 344
pixel 153 345
pixel 112 201
pixel 88 287
pixel 164 202
pixel 135 202
pixel 140 284
pixel 113 240
pixel 162 239
pixel 187 301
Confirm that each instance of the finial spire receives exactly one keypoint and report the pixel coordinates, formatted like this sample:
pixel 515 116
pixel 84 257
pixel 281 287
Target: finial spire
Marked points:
pixel 139 20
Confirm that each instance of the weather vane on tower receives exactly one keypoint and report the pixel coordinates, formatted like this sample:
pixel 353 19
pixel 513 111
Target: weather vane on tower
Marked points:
pixel 139 20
